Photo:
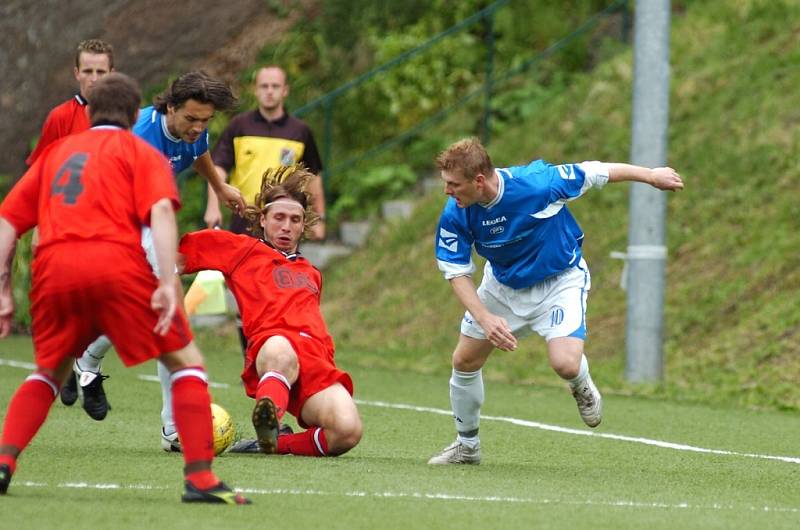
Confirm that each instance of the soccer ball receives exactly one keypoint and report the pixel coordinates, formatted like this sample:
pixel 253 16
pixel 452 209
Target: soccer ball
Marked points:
pixel 224 429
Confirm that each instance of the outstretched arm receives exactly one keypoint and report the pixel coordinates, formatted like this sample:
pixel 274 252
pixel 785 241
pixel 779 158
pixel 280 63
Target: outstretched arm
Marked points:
pixel 495 327
pixel 317 191
pixel 8 243
pixel 213 215
pixel 228 194
pixel 663 178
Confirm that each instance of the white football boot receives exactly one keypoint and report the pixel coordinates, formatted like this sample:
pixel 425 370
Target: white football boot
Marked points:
pixel 457 453
pixel 170 442
pixel 590 402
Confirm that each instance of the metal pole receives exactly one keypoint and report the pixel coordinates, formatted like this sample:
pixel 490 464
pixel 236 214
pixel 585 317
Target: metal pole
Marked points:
pixel 646 234
pixel 487 107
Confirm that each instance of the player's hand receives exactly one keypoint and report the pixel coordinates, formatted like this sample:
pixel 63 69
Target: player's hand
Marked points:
pixel 213 216
pixel 318 231
pixel 666 178
pixel 232 198
pixel 499 333
pixel 6 314
pixel 164 302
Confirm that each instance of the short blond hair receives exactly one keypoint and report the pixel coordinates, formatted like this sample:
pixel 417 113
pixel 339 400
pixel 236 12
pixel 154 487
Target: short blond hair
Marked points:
pixel 97 47
pixel 467 158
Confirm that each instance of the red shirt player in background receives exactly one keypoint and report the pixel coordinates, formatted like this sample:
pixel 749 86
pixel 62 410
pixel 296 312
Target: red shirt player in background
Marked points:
pixel 93 59
pixel 92 193
pixel 289 364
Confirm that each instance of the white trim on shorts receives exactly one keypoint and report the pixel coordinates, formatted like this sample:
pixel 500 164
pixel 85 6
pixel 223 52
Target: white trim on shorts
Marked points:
pixel 553 308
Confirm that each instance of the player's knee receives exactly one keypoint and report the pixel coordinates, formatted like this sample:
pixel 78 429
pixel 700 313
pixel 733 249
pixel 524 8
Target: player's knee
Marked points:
pixel 277 354
pixel 280 361
pixel 566 366
pixel 347 435
pixel 189 355
pixel 464 363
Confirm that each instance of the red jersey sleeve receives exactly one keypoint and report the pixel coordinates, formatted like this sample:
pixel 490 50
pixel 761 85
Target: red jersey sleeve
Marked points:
pixel 21 205
pixel 153 180
pixel 68 118
pixel 214 249
pixel 51 131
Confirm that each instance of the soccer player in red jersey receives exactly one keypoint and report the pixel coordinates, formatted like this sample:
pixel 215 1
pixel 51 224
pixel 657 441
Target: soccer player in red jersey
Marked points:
pixel 289 364
pixel 94 190
pixel 93 59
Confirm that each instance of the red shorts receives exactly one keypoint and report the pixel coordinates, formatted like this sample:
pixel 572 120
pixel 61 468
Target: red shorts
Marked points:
pixel 317 370
pixel 83 290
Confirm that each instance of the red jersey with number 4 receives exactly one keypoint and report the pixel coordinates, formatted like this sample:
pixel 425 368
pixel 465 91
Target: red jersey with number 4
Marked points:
pixel 94 186
pixel 68 118
pixel 274 293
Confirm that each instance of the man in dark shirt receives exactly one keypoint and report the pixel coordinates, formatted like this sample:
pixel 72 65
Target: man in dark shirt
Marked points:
pixel 267 137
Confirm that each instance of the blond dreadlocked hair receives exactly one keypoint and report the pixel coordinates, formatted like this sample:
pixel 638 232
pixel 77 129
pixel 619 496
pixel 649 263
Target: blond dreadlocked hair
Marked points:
pixel 282 182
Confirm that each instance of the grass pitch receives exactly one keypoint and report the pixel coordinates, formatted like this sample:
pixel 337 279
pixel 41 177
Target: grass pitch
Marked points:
pixel 653 464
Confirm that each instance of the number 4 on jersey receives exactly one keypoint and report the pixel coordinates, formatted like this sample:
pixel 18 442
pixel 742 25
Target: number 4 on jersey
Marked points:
pixel 73 187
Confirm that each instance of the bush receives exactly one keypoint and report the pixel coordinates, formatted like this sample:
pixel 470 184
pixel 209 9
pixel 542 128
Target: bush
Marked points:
pixel 362 192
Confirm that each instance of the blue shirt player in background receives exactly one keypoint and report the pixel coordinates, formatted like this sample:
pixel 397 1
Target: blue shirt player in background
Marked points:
pixel 535 278
pixel 176 124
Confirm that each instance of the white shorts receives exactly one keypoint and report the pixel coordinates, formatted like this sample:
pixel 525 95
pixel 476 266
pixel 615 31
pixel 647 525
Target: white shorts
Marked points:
pixel 553 308
pixel 149 248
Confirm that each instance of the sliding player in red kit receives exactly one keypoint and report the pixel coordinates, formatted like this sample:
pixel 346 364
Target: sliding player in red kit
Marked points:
pixel 92 193
pixel 289 364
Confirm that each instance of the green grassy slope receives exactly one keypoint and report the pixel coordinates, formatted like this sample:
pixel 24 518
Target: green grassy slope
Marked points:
pixel 732 329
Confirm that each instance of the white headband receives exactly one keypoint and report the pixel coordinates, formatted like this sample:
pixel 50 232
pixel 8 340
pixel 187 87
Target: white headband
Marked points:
pixel 284 201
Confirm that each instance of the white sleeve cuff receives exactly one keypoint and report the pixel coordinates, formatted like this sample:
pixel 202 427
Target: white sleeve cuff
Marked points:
pixel 596 174
pixel 453 270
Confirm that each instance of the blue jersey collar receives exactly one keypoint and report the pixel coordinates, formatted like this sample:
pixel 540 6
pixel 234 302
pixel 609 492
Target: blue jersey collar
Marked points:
pixel 501 188
pixel 165 129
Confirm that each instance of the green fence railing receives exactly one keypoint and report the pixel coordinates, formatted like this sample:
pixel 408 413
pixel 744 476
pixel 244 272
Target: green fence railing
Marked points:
pixel 327 102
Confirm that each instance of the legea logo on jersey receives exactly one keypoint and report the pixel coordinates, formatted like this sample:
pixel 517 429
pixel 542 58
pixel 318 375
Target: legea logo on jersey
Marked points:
pixel 490 222
pixel 566 172
pixel 173 160
pixel 496 230
pixel 448 240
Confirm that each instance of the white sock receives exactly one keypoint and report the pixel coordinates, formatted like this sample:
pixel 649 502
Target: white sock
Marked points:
pixel 583 373
pixel 167 420
pixel 466 398
pixel 93 356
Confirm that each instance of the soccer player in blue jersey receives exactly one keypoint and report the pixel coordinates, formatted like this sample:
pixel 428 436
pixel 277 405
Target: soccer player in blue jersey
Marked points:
pixel 176 125
pixel 535 278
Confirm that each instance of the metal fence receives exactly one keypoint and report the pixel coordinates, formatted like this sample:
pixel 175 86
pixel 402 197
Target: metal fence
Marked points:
pixel 327 102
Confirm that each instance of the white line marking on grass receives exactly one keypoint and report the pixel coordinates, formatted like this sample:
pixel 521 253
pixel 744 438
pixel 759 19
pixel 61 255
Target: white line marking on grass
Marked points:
pixel 580 432
pixel 432 496
pixel 143 377
pixel 17 364
pixel 155 379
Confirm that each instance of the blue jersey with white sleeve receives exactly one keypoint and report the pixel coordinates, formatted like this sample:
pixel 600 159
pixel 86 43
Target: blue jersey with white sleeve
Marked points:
pixel 526 232
pixel 152 127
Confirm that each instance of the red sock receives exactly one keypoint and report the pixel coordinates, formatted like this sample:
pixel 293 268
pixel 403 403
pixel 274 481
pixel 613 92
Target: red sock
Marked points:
pixel 203 479
pixel 191 406
pixel 307 443
pixel 26 413
pixel 274 386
